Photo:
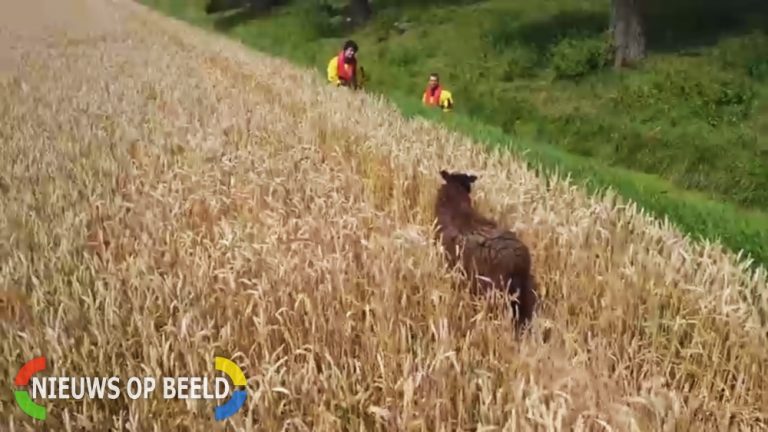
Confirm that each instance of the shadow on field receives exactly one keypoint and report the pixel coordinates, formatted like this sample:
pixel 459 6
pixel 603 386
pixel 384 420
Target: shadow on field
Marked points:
pixel 689 24
pixel 670 26
pixel 240 11
pixel 544 33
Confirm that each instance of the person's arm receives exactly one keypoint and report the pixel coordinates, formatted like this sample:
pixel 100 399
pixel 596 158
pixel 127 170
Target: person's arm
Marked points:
pixel 333 73
pixel 447 100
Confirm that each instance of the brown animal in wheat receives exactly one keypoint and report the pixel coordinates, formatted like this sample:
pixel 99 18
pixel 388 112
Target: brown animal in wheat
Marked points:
pixel 483 248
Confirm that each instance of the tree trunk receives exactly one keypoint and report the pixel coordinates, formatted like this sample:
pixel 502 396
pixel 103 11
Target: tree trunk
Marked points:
pixel 360 11
pixel 628 32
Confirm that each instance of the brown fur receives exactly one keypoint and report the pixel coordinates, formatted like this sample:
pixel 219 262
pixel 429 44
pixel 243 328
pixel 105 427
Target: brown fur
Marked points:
pixel 483 248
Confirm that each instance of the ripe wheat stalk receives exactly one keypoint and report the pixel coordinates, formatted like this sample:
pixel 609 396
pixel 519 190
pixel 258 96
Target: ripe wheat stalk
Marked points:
pixel 167 195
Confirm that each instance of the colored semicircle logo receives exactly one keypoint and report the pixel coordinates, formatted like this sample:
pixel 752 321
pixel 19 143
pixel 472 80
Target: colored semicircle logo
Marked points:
pixel 236 401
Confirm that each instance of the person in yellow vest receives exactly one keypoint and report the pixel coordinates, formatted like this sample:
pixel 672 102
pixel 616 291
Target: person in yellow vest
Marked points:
pixel 436 96
pixel 343 70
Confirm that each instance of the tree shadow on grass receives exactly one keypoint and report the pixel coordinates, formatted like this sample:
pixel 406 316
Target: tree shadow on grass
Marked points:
pixel 690 24
pixel 671 26
pixel 542 34
pixel 236 12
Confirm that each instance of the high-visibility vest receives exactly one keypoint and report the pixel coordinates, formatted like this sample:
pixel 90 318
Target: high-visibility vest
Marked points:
pixel 438 98
pixel 346 71
pixel 432 97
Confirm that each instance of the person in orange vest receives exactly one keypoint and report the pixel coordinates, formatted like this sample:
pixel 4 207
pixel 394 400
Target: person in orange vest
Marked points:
pixel 343 70
pixel 436 96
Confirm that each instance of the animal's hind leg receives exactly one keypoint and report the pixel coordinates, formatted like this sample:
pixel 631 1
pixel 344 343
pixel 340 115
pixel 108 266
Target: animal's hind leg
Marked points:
pixel 525 303
pixel 528 299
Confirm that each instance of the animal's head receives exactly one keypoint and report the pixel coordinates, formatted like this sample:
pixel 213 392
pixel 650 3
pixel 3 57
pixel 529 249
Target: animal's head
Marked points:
pixel 463 181
pixel 454 194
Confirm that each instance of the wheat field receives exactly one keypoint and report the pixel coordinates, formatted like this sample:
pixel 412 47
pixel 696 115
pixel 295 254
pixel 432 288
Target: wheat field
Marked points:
pixel 167 196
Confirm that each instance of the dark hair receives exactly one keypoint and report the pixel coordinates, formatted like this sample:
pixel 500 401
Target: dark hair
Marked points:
pixel 434 74
pixel 350 44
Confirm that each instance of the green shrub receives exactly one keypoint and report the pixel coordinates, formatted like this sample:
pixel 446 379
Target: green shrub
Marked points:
pixel 319 20
pixel 758 69
pixel 403 55
pixel 384 24
pixel 573 58
pixel 747 54
pixel 684 91
pixel 500 35
pixel 519 62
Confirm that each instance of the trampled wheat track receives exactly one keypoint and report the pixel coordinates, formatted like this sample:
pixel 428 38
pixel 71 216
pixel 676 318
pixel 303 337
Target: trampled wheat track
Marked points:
pixel 168 196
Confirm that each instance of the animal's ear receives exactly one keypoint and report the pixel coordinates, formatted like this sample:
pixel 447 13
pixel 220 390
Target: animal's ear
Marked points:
pixel 444 174
pixel 472 178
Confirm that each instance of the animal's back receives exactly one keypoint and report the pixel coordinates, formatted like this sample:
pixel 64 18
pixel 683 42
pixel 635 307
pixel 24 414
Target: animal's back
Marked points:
pixel 502 259
pixel 498 251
